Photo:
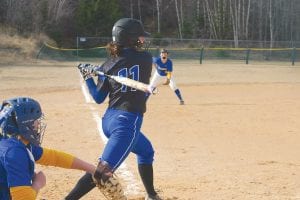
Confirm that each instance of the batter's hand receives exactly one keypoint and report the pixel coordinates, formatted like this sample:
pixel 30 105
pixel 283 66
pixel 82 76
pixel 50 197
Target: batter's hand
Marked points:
pixel 86 70
pixel 167 82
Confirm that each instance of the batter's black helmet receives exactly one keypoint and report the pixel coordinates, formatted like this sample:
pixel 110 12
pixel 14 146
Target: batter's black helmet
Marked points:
pixel 126 32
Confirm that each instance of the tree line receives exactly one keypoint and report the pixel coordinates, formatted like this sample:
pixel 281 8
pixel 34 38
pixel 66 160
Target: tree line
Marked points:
pixel 64 20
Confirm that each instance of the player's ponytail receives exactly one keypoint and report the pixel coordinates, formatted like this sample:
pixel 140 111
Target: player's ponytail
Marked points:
pixel 113 49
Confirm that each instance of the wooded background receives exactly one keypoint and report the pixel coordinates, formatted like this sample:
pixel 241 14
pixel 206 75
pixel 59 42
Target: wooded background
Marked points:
pixel 63 20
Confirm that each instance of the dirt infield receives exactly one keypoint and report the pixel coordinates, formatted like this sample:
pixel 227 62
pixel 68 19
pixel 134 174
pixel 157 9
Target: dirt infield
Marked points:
pixel 237 137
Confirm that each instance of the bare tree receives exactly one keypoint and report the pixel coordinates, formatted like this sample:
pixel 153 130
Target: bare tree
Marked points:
pixel 181 13
pixel 263 20
pixel 61 8
pixel 247 20
pixel 237 17
pixel 158 15
pixel 178 19
pixel 211 20
pixel 131 9
pixel 140 11
pixel 260 25
pixel 271 22
pixel 234 20
pixel 198 9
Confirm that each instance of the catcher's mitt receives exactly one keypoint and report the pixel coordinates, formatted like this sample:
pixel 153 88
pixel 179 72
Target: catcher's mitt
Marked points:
pixel 167 82
pixel 108 183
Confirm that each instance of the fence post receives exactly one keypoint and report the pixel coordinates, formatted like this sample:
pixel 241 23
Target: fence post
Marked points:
pixel 77 46
pixel 38 54
pixel 293 56
pixel 247 56
pixel 201 54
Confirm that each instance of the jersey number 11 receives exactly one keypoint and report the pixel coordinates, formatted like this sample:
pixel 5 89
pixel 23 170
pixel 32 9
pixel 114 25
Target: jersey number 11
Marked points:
pixel 133 73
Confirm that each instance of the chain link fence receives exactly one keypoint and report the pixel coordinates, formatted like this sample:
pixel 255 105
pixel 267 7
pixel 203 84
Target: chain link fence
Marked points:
pixel 93 48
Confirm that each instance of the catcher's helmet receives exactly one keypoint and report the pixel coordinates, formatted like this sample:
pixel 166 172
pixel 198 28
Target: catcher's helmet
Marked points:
pixel 126 32
pixel 22 116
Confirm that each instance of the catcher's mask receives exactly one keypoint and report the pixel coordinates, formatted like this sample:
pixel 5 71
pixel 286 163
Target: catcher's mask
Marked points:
pixel 126 32
pixel 22 116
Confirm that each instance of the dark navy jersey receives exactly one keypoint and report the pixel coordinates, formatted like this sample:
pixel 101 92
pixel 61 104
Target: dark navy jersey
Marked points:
pixel 133 64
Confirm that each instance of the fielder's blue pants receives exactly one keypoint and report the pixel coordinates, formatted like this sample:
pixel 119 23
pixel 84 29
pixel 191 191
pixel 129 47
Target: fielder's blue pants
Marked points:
pixel 122 129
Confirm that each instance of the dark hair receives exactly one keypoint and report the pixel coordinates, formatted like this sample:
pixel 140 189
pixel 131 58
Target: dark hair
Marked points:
pixel 114 50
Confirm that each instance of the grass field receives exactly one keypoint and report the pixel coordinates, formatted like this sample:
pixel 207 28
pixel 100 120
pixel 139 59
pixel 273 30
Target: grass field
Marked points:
pixel 237 137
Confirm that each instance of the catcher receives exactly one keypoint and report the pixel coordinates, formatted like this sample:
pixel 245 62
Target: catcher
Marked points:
pixel 22 128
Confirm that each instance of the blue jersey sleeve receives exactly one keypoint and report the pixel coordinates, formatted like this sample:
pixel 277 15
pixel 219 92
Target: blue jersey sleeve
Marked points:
pixel 19 167
pixel 36 151
pixel 170 66
pixel 99 92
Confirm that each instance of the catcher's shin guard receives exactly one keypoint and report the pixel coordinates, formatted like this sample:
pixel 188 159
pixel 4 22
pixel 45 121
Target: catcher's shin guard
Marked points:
pixel 107 183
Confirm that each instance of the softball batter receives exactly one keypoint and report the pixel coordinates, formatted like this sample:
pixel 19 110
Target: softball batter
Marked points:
pixel 163 73
pixel 123 118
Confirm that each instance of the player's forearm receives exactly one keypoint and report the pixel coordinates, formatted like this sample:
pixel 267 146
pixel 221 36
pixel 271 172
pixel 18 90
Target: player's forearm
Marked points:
pixel 97 95
pixel 82 165
pixel 61 159
pixel 23 193
pixel 56 158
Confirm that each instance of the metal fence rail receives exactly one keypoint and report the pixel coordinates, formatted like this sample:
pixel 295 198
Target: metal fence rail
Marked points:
pixel 86 48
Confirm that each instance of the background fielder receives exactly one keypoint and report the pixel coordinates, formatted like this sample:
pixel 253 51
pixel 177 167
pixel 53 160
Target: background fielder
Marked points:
pixel 163 73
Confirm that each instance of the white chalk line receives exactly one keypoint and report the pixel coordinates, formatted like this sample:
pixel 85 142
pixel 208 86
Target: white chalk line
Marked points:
pixel 132 186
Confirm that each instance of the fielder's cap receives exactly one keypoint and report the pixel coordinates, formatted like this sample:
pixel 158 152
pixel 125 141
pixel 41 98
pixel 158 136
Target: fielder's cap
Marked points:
pixel 164 51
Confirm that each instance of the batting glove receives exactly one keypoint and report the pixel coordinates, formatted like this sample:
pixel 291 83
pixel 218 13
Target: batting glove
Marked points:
pixel 86 70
